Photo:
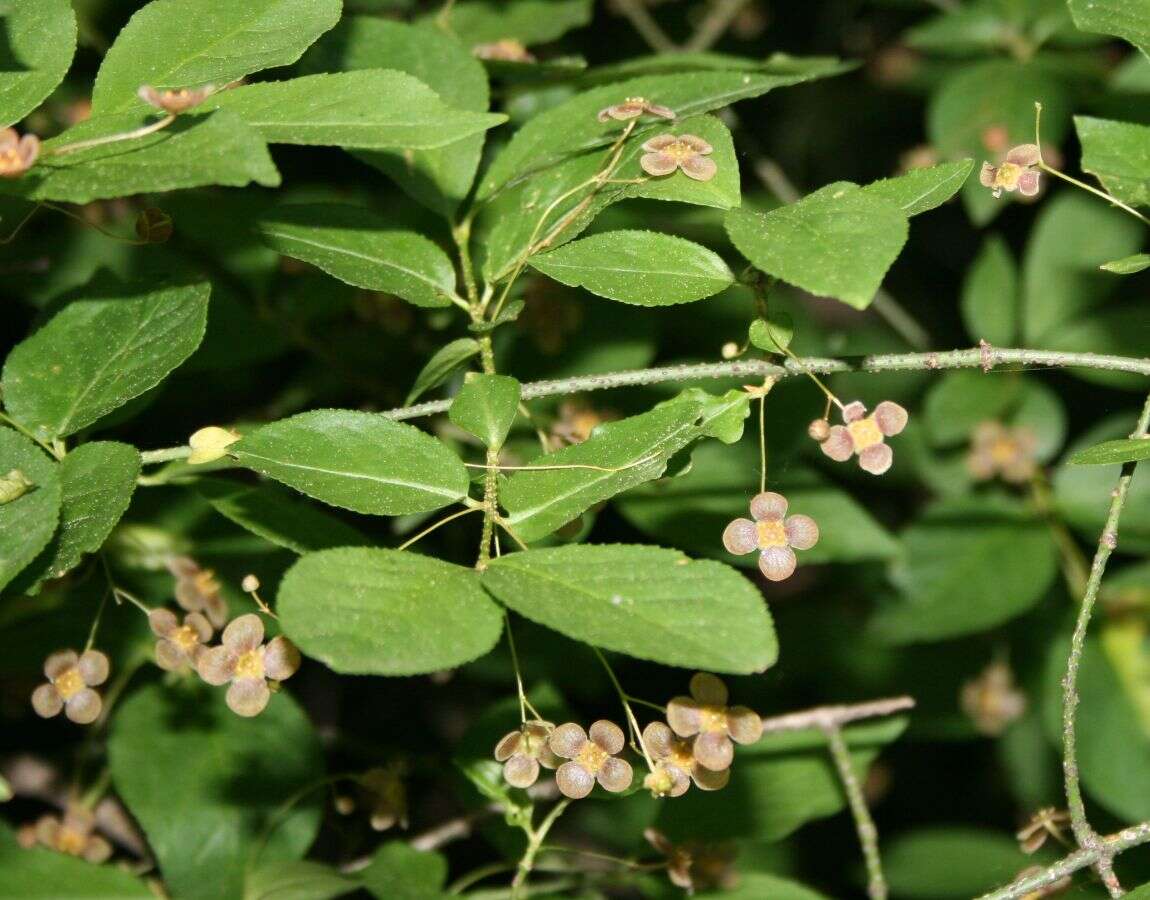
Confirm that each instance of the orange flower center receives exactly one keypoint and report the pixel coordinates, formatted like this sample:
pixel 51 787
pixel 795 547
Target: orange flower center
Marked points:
pixel 1008 174
pixel 251 664
pixel 11 160
pixel 185 637
pixel 591 757
pixel 69 683
pixel 771 534
pixel 865 433
pixel 713 718
pixel 1004 450
pixel 681 756
pixel 680 151
pixel 71 841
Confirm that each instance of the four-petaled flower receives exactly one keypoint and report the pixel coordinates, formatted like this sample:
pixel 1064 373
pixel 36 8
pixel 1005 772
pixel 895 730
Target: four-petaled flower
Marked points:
pixel 675 764
pixel 774 537
pixel 523 751
pixel 632 108
pixel 179 646
pixel 992 701
pixel 592 758
pixel 17 154
pixel 694 866
pixel 197 589
pixel 1005 452
pixel 1017 173
pixel 706 714
pixel 71 678
pixel 71 834
pixel 244 661
pixel 864 435
pixel 175 101
pixel 668 152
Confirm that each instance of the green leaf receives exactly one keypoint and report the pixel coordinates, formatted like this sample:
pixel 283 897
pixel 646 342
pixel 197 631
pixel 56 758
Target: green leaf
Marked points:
pixel 186 43
pixel 758 885
pixel 27 522
pixel 938 863
pixel 773 334
pixel 643 268
pixel 722 416
pixel 42 874
pixel 356 460
pixel 302 880
pixel 1119 154
pixel 439 178
pixel 1128 265
pixel 277 516
pixel 1127 19
pixel 368 611
pixel 400 872
pixel 96 354
pixel 207 786
pixel 486 406
pixel 355 245
pixel 837 242
pixel 39 41
pixel 97 481
pixel 527 21
pixel 344 110
pixel 948 588
pixel 442 366
pixel 990 294
pixel 192 152
pixel 923 189
pixel 1111 452
pixel 618 456
pixel 647 602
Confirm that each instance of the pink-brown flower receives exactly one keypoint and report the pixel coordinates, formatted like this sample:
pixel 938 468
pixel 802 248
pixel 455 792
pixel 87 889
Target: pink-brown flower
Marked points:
pixel 675 764
pixel 1008 453
pixel 179 646
pixel 632 108
pixel 1017 173
pixel 71 834
pixel 706 714
pixel 668 152
pixel 693 866
pixel 865 435
pixel 71 678
pixel 17 154
pixel 523 751
pixel 198 590
pixel 591 758
pixel 243 661
pixel 992 701
pixel 774 537
pixel 175 101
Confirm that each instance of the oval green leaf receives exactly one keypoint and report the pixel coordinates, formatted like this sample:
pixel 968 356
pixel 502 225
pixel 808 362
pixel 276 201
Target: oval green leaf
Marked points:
pixel 39 40
pixel 1109 452
pixel 28 521
pixel 486 406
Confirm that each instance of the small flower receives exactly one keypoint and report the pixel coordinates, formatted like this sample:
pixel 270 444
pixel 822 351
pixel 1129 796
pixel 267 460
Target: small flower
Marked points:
pixel 1017 173
pixel 71 834
pixel 153 225
pixel 577 420
pixel 13 486
pixel 706 714
pixel 668 152
pixel 991 701
pixel 382 791
pixel 819 430
pixel 1005 452
pixel 71 678
pixel 17 154
pixel 1047 822
pixel 591 758
pixel 693 866
pixel 197 589
pixel 632 108
pixel 175 101
pixel 523 751
pixel 772 535
pixel 179 646
pixel 864 435
pixel 504 50
pixel 675 764
pixel 211 443
pixel 244 661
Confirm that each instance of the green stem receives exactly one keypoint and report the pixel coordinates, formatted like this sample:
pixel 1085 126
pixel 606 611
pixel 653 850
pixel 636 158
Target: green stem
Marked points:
pixel 490 501
pixel 535 840
pixel 864 824
pixel 632 722
pixel 143 131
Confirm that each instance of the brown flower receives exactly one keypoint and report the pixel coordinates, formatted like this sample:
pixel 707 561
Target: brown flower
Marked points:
pixel 504 50
pixel 864 435
pixel 71 834
pixel 694 866
pixel 591 758
pixel 706 714
pixel 71 678
pixel 523 751
pixel 632 108
pixel 197 589
pixel 1017 173
pixel 668 152
pixel 1047 822
pixel 1008 453
pixel 243 660
pixel 179 646
pixel 771 535
pixel 991 701
pixel 175 101
pixel 17 154
pixel 675 764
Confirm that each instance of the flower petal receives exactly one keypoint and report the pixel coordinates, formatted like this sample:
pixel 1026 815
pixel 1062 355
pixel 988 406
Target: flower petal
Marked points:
pixel 93 666
pixel 663 112
pixel 608 736
pixel 658 841
pixel 244 633
pixel 658 739
pixel 281 658
pixel 714 750
pixel 852 412
pixel 83 707
pixel 217 665
pixel 876 459
pixel 777 563
pixel 744 725
pixel 1029 182
pixel 709 689
pixel 659 142
pixel 248 696
pixel 839 444
pixel 987 175
pixel 615 775
pixel 657 164
pixel 200 625
pixel 574 781
pixel 59 662
pixel 699 168
pixel 802 532
pixel 1023 155
pixel 684 717
pixel 521 771
pixel 97 851
pixel 768 506
pixel 508 746
pixel 696 143
pixel 740 536
pixel 46 701
pixel 890 418
pixel 169 657
pixel 567 740
pixel 706 780
pixel 162 622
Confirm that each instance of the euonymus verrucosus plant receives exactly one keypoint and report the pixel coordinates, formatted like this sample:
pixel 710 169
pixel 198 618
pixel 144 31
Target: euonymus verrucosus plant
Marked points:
pixel 651 403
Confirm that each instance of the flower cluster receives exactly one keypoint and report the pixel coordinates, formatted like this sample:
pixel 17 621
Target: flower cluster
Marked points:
pixel 71 679
pixel 774 537
pixel 1017 173
pixel 862 434
pixel 999 451
pixel 71 834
